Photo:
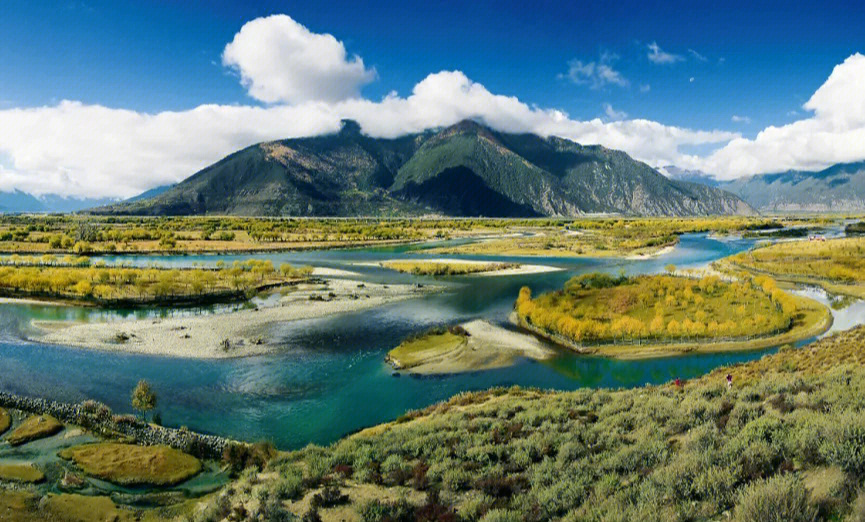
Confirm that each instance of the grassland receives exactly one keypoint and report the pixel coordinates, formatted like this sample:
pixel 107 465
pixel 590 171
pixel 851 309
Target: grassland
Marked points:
pixel 78 234
pixel 78 279
pixel 446 268
pixel 33 428
pixel 783 444
pixel 5 421
pixel 618 237
pixel 837 265
pixel 22 473
pixel 653 315
pixel 131 465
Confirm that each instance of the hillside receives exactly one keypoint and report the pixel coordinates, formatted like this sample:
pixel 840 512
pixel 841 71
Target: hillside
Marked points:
pixel 838 188
pixel 464 170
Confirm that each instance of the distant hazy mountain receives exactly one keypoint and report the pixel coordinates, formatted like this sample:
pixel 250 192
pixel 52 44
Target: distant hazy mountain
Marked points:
pixel 150 193
pixel 840 187
pixel 17 201
pixel 464 170
pixel 693 176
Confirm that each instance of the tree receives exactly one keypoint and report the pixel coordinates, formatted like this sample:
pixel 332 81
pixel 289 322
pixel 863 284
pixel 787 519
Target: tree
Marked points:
pixel 143 397
pixel 670 268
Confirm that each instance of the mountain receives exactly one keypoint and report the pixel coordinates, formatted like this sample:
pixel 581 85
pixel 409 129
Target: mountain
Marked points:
pixel 21 202
pixel 693 176
pixel 464 170
pixel 840 188
pixel 151 193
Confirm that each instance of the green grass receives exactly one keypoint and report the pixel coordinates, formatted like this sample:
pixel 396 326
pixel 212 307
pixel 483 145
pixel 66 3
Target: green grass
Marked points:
pixel 128 464
pixel 26 473
pixel 415 351
pixel 33 428
pixel 783 444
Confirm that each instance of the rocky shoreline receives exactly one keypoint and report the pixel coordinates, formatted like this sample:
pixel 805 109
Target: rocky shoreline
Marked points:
pixel 99 419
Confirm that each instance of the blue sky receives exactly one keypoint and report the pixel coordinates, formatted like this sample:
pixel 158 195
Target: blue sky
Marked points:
pixel 759 64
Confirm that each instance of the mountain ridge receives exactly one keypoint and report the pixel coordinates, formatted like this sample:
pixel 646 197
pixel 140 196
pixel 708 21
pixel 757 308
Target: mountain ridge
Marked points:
pixel 465 169
pixel 840 187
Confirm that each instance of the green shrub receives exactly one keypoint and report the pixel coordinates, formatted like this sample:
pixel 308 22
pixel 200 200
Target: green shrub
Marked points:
pixel 782 498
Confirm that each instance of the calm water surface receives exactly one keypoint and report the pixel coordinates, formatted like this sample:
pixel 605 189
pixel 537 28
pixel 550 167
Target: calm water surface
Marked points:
pixel 329 379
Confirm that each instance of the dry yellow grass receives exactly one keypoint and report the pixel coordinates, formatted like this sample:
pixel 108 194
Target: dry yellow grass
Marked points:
pixel 445 267
pixel 127 464
pixel 5 421
pixel 35 427
pixel 21 473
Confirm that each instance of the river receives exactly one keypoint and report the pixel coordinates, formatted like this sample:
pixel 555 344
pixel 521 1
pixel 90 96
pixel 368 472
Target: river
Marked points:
pixel 330 379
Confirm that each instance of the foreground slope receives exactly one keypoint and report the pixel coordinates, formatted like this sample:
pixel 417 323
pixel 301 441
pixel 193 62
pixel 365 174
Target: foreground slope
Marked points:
pixel 784 443
pixel 464 170
pixel 838 188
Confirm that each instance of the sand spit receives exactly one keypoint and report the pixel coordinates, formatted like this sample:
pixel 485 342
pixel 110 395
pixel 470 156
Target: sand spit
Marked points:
pixel 224 335
pixel 522 269
pixel 487 347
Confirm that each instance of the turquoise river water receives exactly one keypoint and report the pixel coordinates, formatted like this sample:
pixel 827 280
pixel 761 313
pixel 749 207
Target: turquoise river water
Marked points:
pixel 329 378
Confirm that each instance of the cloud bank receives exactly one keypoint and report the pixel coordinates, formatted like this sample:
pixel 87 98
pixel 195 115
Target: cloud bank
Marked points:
pixel 310 84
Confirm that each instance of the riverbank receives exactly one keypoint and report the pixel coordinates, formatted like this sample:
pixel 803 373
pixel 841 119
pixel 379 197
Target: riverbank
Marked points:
pixel 812 319
pixel 486 346
pixel 650 255
pixel 225 335
pixel 463 267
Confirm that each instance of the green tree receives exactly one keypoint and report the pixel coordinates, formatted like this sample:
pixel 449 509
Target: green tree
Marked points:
pixel 143 397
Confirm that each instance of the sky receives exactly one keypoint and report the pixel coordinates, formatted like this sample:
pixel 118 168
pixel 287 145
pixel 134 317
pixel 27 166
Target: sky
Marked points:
pixel 107 99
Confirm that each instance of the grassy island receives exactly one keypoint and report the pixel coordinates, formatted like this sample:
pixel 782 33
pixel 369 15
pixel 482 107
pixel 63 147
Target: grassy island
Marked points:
pixel 33 428
pixel 646 315
pixel 447 268
pixel 837 265
pixel 857 228
pixel 78 279
pixel 132 465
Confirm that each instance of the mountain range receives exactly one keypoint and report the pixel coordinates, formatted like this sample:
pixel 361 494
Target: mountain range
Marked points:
pixel 838 188
pixel 17 201
pixel 466 169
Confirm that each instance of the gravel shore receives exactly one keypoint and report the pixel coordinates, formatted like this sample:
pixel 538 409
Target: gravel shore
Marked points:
pixel 224 335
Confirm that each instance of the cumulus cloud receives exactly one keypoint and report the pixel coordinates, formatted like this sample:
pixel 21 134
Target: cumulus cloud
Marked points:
pixel 595 74
pixel 83 150
pixel 90 150
pixel 833 134
pixel 659 56
pixel 280 60
pixel 613 114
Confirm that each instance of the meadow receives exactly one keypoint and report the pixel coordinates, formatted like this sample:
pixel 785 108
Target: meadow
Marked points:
pixel 838 265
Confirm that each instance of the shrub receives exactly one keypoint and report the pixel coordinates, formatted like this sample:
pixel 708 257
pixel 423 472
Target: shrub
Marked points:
pixel 378 511
pixel 330 496
pixel 782 498
pixel 289 486
pixel 844 444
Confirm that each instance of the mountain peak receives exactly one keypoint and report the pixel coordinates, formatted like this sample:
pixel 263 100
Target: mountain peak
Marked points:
pixel 349 127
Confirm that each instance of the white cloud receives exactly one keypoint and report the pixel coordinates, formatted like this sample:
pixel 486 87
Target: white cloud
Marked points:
pixel 90 150
pixel 613 114
pixel 833 134
pixel 595 74
pixel 697 56
pixel 740 119
pixel 82 150
pixel 280 60
pixel 659 56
